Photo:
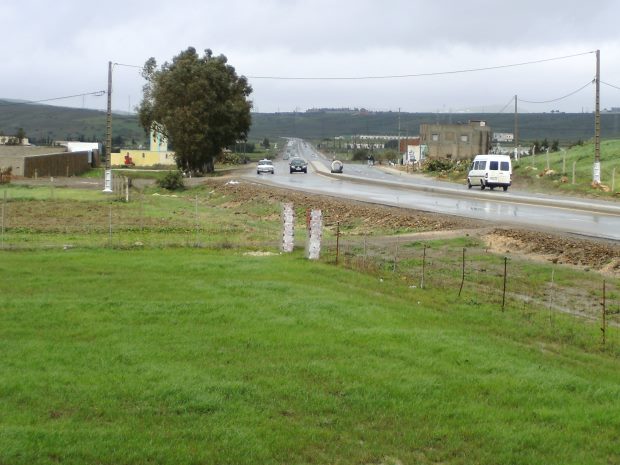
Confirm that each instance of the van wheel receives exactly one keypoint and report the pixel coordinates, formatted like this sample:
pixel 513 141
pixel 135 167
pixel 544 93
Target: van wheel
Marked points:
pixel 468 184
pixel 505 188
pixel 482 186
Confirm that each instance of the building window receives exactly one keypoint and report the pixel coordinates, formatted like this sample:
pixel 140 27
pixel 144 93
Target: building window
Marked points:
pixel 435 137
pixel 464 138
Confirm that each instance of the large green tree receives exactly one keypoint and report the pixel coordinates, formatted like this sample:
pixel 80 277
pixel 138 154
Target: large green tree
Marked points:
pixel 199 104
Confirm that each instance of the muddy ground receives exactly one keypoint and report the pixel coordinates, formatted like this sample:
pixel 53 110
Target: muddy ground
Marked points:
pixel 358 218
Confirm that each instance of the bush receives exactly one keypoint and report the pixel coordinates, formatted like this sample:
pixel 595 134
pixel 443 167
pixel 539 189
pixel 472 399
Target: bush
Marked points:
pixel 360 154
pixel 5 175
pixel 173 180
pixel 438 164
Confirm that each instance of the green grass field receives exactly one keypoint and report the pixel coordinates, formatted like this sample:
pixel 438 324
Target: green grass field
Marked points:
pixel 188 356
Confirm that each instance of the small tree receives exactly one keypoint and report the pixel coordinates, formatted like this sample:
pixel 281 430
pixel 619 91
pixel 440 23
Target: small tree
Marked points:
pixel 20 136
pixel 265 143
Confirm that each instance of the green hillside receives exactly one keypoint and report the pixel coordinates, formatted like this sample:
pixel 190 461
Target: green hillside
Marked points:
pixel 43 122
pixel 566 128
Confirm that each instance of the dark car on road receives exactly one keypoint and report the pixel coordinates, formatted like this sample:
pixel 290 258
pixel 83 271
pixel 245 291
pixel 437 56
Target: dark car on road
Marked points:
pixel 298 164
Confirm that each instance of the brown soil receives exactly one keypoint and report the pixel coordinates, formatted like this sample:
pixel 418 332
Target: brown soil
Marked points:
pixel 357 218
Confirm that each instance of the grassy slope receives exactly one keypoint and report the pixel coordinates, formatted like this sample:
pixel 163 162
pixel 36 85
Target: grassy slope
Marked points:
pixel 187 356
pixel 529 171
pixel 562 164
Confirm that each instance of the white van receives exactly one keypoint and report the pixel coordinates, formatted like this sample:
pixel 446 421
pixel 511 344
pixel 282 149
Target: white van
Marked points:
pixel 490 171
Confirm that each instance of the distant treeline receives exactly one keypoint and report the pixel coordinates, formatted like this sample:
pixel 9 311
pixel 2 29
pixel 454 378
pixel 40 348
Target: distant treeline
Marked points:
pixel 44 123
pixel 567 128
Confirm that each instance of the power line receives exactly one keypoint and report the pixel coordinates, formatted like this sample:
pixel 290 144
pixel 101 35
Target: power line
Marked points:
pixel 128 66
pixel 400 76
pixel 507 105
pixel 98 93
pixel 559 98
pixel 610 85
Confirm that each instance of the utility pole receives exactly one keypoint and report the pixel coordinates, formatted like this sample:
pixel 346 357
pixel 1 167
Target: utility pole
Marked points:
pixel 516 129
pixel 596 172
pixel 399 152
pixel 107 185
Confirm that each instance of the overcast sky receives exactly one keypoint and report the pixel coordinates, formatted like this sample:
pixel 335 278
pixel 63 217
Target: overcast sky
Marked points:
pixel 62 48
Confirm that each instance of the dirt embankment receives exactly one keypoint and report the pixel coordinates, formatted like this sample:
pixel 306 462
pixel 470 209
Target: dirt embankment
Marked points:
pixel 362 218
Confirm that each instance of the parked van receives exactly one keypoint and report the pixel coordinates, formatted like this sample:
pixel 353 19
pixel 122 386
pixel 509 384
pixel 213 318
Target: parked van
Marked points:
pixel 490 171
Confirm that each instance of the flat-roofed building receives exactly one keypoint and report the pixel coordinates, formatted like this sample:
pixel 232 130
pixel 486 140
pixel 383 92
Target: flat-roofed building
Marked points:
pixel 456 141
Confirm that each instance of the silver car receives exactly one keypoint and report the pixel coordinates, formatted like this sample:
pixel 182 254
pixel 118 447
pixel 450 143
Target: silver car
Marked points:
pixel 265 166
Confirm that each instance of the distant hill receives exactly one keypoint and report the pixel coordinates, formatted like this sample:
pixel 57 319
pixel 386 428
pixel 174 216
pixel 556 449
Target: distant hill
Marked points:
pixel 565 127
pixel 43 122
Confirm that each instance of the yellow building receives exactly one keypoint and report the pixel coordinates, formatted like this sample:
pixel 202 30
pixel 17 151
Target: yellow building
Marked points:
pixel 158 154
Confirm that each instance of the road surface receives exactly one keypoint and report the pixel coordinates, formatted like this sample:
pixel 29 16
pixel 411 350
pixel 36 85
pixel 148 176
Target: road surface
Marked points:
pixel 373 184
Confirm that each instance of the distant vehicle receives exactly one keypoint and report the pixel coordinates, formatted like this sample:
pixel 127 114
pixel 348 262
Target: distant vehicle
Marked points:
pixel 298 164
pixel 265 166
pixel 490 171
pixel 286 156
pixel 337 166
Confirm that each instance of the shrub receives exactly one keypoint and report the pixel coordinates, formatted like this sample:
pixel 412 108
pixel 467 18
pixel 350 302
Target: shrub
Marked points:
pixel 5 175
pixel 438 164
pixel 173 180
pixel 360 154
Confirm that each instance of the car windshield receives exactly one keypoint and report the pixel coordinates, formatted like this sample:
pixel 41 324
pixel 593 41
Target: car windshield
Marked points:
pixel 265 162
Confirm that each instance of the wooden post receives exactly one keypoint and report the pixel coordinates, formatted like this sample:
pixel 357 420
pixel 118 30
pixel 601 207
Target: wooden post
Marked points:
pixel 395 257
pixel 3 213
pixel 423 267
pixel 337 240
pixel 110 236
pixel 462 274
pixel 551 295
pixel 574 167
pixel 196 211
pixel 604 317
pixel 563 162
pixel 504 291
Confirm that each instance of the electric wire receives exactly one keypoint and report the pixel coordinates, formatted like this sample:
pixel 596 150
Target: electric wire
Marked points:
pixel 128 66
pixel 610 85
pixel 559 98
pixel 400 76
pixel 507 105
pixel 98 93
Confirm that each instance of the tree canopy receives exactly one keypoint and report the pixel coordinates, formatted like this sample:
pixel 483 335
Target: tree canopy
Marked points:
pixel 198 103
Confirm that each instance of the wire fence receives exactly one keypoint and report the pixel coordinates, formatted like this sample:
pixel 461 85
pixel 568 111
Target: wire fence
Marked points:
pixel 541 293
pixel 545 294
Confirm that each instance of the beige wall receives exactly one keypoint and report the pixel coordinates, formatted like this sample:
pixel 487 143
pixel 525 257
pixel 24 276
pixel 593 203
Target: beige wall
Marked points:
pixel 144 158
pixel 456 141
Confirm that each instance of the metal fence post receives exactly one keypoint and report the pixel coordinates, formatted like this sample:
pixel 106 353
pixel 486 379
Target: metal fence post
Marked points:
pixel 504 291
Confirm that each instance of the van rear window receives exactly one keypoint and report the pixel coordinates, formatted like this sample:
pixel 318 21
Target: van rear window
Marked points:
pixel 505 166
pixel 494 166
